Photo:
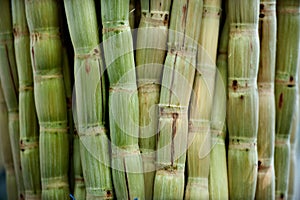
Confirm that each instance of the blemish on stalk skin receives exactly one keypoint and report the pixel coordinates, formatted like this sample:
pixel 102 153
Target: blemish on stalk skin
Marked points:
pixel 280 100
pixel 234 85
pixel 175 117
pixel 291 84
pixel 108 194
pixel 87 68
pixel 281 196
pixel 10 70
pixel 126 180
pixel 259 165
pixel 184 16
pixel 242 97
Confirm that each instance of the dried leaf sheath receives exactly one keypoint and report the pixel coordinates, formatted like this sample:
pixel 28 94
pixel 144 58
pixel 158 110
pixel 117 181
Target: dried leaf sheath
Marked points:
pixel 177 83
pixel 50 99
pixel 127 166
pixel 202 102
pixel 11 184
pixel 150 56
pixel 287 64
pixel 90 87
pixel 266 127
pixel 10 86
pixel 242 105
pixel 29 132
pixel 218 179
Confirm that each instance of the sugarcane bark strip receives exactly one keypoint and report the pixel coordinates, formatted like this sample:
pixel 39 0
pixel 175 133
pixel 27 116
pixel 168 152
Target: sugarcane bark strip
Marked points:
pixel 29 134
pixel 287 64
pixel 50 97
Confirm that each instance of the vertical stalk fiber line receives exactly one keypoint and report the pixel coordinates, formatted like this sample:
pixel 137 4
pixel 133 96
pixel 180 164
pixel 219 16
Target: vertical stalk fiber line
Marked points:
pixel 127 166
pixel 91 100
pixel 10 85
pixel 29 132
pixel 50 97
pixel 150 56
pixel 176 89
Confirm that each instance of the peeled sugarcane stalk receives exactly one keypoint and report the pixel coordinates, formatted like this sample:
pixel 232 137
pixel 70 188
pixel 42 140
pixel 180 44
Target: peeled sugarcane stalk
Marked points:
pixel 177 84
pixel 265 188
pixel 50 98
pixel 218 179
pixel 10 86
pixel 11 184
pixel 294 136
pixel 90 99
pixel 29 132
pixel 127 166
pixel 242 106
pixel 150 56
pixel 201 104
pixel 287 64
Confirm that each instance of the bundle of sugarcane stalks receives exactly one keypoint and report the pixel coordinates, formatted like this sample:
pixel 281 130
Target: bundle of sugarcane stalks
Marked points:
pixel 150 99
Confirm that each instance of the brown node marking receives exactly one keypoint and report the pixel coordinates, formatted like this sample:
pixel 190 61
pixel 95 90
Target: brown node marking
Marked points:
pixel 234 84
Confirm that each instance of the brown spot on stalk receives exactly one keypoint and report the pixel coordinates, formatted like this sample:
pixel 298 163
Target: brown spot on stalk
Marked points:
pixel 33 60
pixel 175 117
pixel 234 85
pixel 21 196
pixel 87 68
pixel 291 82
pixel 259 165
pixel 280 100
pixel 281 196
pixel 261 15
pixel 108 194
pixel 262 6
pixel 184 8
pixel 242 97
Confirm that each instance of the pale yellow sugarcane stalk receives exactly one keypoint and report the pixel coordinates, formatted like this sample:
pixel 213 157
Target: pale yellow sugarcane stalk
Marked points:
pixel 202 102
pixel 266 127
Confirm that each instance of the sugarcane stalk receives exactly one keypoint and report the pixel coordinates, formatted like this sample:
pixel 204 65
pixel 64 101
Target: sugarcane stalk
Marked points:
pixel 218 179
pixel 150 56
pixel 201 104
pixel 90 87
pixel 177 84
pixel 6 151
pixel 266 127
pixel 242 106
pixel 294 136
pixel 9 80
pixel 29 132
pixel 79 185
pixel 50 98
pixel 127 166
pixel 287 64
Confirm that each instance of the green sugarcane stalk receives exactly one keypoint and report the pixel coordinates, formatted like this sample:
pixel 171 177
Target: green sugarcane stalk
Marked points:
pixel 177 84
pixel 90 99
pixel 29 132
pixel 150 56
pixel 218 179
pixel 266 127
pixel 10 86
pixel 287 64
pixel 6 151
pixel 242 110
pixel 127 166
pixel 50 97
pixel 201 104
pixel 79 187
pixel 293 152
